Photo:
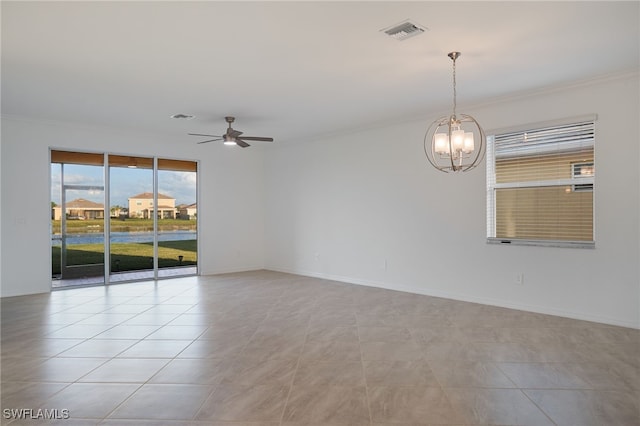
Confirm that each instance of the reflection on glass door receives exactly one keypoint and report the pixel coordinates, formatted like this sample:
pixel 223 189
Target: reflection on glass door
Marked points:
pixel 77 219
pixel 177 218
pixel 131 235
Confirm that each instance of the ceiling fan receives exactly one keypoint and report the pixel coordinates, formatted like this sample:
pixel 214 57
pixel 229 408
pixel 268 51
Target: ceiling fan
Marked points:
pixel 232 136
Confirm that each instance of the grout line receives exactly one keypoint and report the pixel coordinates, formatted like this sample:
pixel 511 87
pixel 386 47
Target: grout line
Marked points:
pixel 169 292
pixel 537 406
pixel 295 371
pixel 364 373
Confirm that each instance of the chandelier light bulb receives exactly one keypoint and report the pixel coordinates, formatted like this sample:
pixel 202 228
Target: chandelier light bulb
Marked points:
pixel 457 140
pixel 441 143
pixel 468 143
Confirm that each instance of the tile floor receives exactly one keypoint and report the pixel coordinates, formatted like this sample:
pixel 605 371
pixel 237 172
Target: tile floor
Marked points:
pixel 268 349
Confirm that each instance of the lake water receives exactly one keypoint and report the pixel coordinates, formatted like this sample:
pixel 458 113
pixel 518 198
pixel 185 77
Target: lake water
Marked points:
pixel 124 237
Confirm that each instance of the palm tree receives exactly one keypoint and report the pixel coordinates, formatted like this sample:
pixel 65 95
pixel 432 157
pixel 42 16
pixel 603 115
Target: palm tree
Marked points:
pixel 115 210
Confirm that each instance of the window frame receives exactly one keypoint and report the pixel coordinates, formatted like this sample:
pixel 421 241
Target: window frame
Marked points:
pixel 581 187
pixel 492 186
pixel 107 161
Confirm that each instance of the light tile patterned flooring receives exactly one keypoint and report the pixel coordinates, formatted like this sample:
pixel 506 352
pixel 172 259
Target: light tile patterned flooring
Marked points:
pixel 266 349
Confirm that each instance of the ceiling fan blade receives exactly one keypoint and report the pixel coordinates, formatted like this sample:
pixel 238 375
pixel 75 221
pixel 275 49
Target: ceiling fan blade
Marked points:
pixel 257 138
pixel 200 134
pixel 233 133
pixel 212 140
pixel 241 143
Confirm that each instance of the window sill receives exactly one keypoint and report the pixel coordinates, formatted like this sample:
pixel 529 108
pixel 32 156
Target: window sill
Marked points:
pixel 542 243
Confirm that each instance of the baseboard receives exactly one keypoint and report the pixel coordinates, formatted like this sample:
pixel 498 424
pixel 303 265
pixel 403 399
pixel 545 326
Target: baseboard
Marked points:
pixel 233 270
pixel 463 298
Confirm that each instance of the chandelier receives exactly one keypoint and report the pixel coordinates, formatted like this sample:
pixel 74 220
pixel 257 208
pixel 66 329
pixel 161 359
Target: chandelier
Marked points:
pixel 454 143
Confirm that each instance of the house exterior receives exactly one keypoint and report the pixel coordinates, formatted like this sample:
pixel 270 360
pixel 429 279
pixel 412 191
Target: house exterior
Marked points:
pixel 189 211
pixel 79 209
pixel 141 206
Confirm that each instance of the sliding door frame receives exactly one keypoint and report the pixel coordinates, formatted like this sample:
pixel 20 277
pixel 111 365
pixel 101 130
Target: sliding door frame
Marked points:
pixel 107 214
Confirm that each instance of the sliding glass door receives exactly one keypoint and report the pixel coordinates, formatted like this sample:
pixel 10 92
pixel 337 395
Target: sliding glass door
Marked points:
pixel 78 220
pixel 177 223
pixel 131 234
pixel 148 230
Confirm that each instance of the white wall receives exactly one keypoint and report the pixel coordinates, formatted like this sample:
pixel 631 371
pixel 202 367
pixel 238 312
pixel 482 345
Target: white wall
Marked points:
pixel 368 208
pixel 230 208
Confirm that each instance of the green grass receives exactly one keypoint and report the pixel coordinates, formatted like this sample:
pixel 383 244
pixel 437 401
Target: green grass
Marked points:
pixel 129 256
pixel 127 225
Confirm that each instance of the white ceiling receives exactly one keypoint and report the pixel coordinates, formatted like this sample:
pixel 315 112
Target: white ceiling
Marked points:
pixel 295 70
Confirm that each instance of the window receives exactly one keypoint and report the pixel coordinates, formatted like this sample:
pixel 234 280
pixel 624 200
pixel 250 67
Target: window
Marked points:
pixel 540 184
pixel 95 239
pixel 579 171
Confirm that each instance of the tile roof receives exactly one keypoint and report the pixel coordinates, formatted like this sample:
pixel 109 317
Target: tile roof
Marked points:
pixel 81 203
pixel 149 196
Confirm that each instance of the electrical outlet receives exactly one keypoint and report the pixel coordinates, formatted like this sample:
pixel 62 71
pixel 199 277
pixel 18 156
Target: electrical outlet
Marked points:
pixel 520 279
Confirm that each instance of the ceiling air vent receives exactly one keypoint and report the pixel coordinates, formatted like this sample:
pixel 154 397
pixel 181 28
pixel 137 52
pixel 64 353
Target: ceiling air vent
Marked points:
pixel 404 30
pixel 183 116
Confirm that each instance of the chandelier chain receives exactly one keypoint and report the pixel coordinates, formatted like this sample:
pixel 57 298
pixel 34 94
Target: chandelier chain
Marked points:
pixel 454 88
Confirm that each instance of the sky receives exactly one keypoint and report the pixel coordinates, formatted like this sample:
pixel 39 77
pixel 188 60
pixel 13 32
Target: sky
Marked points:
pixel 124 183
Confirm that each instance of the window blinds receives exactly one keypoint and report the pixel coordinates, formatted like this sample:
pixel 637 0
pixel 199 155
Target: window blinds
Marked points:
pixel 540 184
